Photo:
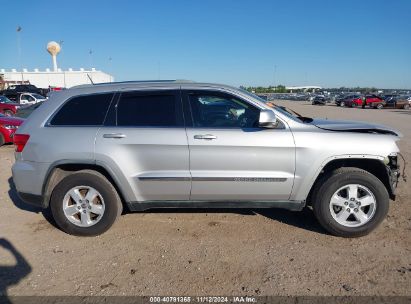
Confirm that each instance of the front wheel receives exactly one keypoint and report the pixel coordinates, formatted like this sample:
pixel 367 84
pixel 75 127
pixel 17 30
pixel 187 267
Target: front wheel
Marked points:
pixel 380 106
pixel 85 203
pixel 342 104
pixel 350 202
pixel 406 107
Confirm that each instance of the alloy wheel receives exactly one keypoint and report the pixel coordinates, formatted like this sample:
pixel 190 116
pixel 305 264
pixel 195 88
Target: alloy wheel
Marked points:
pixel 83 206
pixel 353 205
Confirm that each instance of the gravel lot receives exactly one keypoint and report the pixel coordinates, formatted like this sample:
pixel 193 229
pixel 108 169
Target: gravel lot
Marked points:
pixel 203 252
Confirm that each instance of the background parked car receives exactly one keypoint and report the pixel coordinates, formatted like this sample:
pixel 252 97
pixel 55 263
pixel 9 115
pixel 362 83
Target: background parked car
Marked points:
pixel 8 126
pixel 388 97
pixel 371 100
pixel 397 102
pixel 318 100
pixel 15 90
pixel 8 107
pixel 30 98
pixel 346 100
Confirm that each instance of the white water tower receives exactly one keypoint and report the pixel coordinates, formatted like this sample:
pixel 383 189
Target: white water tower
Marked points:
pixel 54 48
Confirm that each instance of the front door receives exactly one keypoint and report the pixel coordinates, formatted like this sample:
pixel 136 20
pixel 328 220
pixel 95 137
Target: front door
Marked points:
pixel 231 158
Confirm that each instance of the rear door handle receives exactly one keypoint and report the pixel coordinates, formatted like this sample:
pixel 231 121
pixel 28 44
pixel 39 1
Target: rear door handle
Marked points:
pixel 205 136
pixel 114 135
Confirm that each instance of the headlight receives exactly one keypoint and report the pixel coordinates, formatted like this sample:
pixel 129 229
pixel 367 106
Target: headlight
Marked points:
pixel 10 127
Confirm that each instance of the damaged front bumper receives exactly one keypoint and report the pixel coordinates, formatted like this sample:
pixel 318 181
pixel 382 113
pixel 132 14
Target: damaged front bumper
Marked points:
pixel 393 171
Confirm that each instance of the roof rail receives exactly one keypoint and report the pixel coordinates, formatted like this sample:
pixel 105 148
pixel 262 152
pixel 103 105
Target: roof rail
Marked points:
pixel 134 81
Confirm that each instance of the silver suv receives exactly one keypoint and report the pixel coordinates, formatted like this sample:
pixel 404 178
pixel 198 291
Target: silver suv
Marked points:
pixel 91 150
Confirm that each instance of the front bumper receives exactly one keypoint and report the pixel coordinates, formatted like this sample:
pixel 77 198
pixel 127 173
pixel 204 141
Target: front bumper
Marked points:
pixel 393 172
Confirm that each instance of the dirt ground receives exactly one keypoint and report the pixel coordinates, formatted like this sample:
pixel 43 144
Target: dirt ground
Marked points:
pixel 203 252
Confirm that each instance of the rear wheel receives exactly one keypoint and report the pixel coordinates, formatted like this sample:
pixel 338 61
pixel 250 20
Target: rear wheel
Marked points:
pixel 85 203
pixel 406 107
pixel 379 106
pixel 342 104
pixel 350 202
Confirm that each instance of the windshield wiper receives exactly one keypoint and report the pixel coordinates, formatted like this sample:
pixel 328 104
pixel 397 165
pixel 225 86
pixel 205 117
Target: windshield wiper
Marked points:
pixel 298 115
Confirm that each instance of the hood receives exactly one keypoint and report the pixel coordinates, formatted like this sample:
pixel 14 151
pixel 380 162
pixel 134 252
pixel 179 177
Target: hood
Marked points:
pixel 11 121
pixel 14 104
pixel 11 104
pixel 353 126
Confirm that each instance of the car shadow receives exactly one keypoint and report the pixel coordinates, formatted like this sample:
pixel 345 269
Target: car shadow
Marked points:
pixel 304 219
pixel 401 111
pixel 18 202
pixel 12 275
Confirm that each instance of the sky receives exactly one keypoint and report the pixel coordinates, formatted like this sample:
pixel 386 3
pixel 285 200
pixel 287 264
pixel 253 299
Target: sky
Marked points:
pixel 237 42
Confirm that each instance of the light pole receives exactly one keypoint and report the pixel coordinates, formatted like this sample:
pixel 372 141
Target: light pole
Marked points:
pixel 109 63
pixel 90 52
pixel 18 31
pixel 275 72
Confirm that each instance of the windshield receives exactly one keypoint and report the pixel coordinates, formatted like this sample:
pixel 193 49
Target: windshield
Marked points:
pixel 283 110
pixel 37 96
pixel 5 99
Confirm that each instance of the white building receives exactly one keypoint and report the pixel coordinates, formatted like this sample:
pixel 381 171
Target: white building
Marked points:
pixel 59 78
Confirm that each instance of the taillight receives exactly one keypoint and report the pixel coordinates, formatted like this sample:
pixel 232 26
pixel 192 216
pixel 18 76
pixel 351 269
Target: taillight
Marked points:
pixel 20 141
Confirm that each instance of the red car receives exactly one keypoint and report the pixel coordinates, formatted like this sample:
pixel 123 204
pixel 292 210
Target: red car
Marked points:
pixel 372 101
pixel 8 107
pixel 8 125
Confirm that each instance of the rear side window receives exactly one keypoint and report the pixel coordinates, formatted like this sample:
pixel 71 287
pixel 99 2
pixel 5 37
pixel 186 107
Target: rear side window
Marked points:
pixel 87 110
pixel 149 110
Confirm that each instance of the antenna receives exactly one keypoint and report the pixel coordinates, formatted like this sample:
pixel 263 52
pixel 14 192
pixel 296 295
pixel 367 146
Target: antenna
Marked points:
pixel 91 80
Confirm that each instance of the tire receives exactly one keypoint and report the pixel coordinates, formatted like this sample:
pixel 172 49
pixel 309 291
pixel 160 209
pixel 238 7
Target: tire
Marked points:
pixel 328 186
pixel 342 104
pixel 8 113
pixel 2 140
pixel 379 106
pixel 110 204
pixel 406 107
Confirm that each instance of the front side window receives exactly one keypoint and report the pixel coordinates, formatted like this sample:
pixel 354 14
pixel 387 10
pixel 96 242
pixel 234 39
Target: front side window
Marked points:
pixel 29 98
pixel 149 110
pixel 4 99
pixel 222 111
pixel 87 110
pixel 38 96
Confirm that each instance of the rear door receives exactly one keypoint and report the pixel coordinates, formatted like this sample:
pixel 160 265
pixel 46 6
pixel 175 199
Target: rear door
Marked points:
pixel 145 143
pixel 231 158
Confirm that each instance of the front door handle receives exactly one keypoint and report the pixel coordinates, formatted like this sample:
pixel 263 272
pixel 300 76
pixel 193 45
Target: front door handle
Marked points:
pixel 205 136
pixel 114 135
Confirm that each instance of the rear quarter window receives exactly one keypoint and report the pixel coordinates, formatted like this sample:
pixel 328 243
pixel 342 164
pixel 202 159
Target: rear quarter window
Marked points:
pixel 86 110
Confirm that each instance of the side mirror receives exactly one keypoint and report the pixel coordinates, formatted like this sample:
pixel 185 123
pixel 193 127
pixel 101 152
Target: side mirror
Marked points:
pixel 267 119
